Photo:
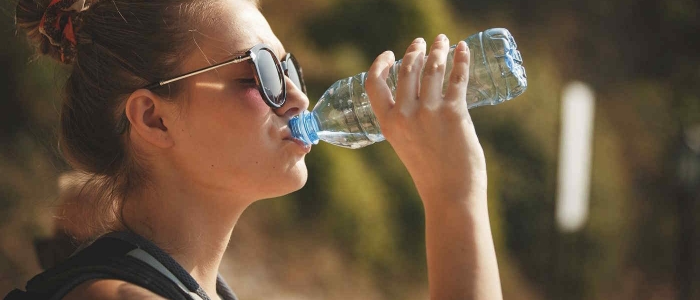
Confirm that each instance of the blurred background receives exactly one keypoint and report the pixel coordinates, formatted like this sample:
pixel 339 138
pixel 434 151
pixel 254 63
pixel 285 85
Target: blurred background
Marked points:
pixel 356 229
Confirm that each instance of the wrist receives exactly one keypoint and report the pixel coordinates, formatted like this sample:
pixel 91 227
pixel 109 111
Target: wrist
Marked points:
pixel 448 194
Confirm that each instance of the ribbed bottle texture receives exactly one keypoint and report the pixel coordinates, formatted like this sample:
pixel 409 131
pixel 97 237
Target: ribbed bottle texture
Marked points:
pixel 343 116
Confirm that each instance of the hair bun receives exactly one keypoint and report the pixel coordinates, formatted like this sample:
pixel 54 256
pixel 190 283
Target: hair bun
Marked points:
pixel 51 25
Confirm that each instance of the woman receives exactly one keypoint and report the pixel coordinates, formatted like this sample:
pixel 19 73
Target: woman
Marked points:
pixel 177 159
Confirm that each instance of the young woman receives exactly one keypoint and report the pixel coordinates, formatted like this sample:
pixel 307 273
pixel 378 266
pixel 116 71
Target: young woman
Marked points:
pixel 178 110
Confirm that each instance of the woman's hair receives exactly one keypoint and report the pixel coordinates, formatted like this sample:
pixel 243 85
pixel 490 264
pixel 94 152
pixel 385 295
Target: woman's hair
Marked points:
pixel 118 47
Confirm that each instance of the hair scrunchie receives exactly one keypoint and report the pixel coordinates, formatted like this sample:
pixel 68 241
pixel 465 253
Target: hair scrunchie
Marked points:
pixel 57 24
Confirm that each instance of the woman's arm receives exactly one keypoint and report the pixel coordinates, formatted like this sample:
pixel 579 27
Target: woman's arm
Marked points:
pixel 434 137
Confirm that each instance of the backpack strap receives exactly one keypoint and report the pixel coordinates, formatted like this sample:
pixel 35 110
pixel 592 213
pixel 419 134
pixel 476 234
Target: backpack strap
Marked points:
pixel 154 263
pixel 165 263
pixel 106 258
pixel 123 256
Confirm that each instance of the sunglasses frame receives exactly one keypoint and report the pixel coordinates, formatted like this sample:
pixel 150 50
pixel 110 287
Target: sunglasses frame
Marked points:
pixel 285 67
pixel 252 56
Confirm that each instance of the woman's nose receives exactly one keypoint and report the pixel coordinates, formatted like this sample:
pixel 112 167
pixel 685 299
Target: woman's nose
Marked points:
pixel 296 101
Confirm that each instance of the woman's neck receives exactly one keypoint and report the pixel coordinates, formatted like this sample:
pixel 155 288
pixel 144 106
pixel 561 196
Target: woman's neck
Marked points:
pixel 191 224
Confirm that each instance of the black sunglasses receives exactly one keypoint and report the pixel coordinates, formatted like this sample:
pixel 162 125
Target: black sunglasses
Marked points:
pixel 269 76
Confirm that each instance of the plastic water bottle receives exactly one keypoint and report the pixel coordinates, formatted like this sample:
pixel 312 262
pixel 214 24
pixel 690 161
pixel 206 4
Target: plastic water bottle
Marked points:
pixel 343 116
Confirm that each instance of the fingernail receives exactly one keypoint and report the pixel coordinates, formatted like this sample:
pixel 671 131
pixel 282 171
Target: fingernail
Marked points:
pixel 462 46
pixel 419 40
pixel 441 37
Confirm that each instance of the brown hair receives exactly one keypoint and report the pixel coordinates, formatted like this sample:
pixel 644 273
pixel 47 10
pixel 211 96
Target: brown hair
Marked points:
pixel 122 45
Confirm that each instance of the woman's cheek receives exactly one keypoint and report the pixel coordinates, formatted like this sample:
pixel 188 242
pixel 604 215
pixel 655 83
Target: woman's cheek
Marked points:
pixel 251 98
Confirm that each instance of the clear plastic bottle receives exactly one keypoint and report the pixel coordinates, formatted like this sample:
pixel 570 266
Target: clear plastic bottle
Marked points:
pixel 343 116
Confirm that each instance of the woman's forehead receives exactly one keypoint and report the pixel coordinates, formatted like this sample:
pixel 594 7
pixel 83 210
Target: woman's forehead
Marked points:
pixel 237 27
pixel 244 27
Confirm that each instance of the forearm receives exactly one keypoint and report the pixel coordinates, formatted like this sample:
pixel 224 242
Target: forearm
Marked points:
pixel 461 256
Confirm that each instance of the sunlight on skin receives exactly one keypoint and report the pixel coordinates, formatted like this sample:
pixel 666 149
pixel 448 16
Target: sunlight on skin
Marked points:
pixel 211 85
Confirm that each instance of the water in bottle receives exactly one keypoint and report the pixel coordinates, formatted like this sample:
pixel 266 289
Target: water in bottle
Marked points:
pixel 343 116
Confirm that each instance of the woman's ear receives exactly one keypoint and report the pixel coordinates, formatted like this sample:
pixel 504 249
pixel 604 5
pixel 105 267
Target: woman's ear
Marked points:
pixel 146 111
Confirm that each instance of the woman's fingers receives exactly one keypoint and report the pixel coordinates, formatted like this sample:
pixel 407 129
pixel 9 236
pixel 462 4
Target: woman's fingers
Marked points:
pixel 409 75
pixel 434 72
pixel 411 84
pixel 457 89
pixel 378 91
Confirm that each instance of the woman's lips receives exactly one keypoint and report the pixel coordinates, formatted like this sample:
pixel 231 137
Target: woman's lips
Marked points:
pixel 287 134
pixel 306 148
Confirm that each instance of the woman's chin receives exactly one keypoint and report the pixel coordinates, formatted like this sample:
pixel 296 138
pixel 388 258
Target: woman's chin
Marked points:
pixel 299 177
pixel 294 180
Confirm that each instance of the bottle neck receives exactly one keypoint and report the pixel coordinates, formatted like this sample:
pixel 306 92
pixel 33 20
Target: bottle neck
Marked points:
pixel 304 127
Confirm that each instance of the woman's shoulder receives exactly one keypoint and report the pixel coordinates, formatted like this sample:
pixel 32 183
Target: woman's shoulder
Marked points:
pixel 110 289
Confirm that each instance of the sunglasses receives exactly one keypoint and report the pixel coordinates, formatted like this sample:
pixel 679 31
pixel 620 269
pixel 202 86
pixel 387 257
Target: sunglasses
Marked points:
pixel 269 73
pixel 269 76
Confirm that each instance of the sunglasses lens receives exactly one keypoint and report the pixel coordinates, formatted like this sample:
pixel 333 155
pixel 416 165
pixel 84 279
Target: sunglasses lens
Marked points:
pixel 294 73
pixel 270 77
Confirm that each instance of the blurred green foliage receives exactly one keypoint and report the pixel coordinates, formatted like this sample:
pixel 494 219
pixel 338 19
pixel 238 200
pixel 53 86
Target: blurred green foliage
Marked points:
pixel 640 57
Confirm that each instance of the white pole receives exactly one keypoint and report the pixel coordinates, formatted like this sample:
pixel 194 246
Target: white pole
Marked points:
pixel 578 106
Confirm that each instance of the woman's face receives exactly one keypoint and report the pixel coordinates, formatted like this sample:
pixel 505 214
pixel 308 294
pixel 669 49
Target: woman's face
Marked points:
pixel 226 138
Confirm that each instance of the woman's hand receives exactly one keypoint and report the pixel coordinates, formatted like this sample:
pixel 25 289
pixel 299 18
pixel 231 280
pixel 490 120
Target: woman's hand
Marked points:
pixel 434 136
pixel 432 133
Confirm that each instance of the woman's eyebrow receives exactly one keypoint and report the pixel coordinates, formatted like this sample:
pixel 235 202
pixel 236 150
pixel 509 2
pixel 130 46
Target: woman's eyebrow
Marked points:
pixel 226 54
pixel 235 54
pixel 239 53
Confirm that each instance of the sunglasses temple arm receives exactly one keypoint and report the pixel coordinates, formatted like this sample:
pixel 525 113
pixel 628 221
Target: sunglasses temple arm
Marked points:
pixel 197 72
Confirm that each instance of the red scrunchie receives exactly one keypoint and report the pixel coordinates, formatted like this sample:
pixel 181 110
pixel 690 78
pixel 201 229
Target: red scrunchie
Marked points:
pixel 57 23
